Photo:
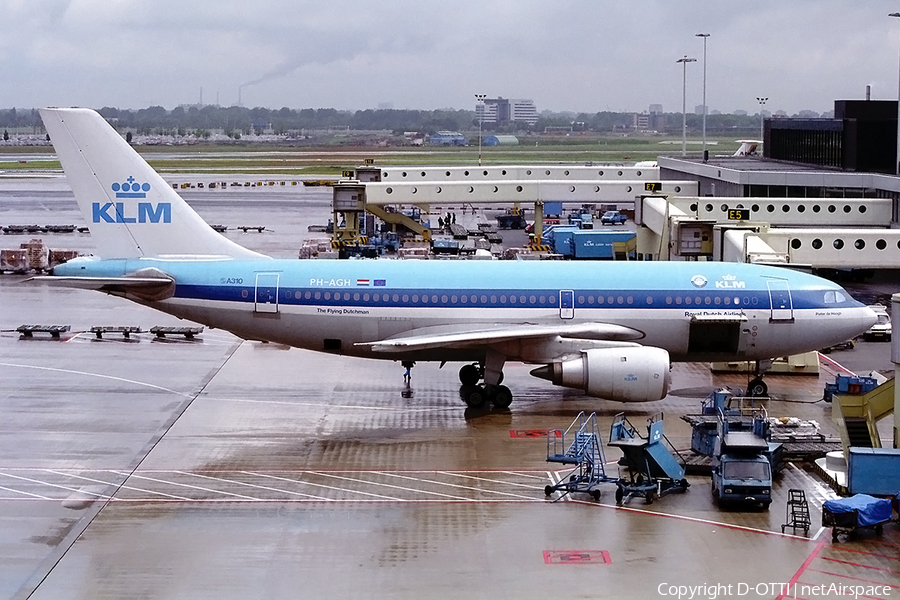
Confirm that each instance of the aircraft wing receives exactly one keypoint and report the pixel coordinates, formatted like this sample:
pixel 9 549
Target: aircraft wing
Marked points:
pixel 426 338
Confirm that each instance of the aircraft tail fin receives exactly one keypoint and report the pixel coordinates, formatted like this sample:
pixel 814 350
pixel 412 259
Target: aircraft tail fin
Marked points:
pixel 131 211
pixel 748 148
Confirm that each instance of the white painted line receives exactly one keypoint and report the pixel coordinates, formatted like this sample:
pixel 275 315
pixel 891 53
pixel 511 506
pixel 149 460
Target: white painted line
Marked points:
pixel 261 487
pixel 529 475
pixel 453 485
pixel 330 487
pixel 118 486
pixel 23 493
pixel 500 481
pixel 344 406
pixel 396 487
pixel 705 521
pixel 98 375
pixel 193 487
pixel 47 483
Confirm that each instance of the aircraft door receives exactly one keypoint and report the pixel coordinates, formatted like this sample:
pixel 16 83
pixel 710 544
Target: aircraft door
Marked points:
pixel 566 304
pixel 266 298
pixel 780 298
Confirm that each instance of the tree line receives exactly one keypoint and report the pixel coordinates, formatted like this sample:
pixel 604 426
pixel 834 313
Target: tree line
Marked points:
pixel 238 120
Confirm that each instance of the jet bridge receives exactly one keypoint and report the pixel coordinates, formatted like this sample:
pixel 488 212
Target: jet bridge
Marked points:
pixel 821 233
pixel 538 189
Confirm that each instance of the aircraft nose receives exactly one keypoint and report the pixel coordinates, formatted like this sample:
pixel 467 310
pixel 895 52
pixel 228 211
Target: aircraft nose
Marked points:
pixel 868 317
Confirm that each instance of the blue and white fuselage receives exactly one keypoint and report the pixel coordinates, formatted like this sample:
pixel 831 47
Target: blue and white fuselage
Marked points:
pixel 346 305
pixel 608 328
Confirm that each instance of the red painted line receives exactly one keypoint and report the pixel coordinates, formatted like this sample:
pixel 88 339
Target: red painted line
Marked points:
pixel 875 554
pixel 803 567
pixel 835 365
pixel 854 578
pixel 884 543
pixel 861 566
pixel 576 557
pixel 533 433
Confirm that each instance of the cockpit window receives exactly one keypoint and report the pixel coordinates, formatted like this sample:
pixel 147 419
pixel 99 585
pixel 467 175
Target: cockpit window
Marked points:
pixel 834 297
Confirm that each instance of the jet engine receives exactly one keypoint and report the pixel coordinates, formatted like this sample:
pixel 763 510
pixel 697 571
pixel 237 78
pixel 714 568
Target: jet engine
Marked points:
pixel 627 374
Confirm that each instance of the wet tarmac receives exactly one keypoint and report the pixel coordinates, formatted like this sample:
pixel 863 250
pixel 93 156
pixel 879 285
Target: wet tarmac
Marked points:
pixel 217 468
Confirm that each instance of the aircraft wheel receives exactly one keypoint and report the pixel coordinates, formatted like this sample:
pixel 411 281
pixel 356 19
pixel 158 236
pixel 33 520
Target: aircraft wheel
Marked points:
pixel 620 493
pixel 475 396
pixel 502 397
pixel 757 388
pixel 469 375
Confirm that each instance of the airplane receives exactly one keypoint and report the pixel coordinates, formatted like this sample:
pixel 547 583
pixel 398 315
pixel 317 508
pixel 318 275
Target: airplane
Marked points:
pixel 747 148
pixel 610 329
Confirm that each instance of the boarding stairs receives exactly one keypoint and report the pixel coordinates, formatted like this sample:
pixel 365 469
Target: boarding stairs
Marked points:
pixel 584 451
pixel 797 512
pixel 857 415
pixel 653 470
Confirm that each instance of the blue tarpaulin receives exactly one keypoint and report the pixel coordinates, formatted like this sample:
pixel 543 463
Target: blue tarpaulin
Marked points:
pixel 869 510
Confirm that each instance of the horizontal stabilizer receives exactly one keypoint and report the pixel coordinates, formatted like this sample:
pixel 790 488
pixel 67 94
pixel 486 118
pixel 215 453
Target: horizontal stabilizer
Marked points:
pixel 144 288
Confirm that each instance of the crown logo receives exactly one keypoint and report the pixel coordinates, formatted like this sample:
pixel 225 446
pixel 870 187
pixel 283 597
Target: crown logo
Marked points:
pixel 131 189
pixel 729 278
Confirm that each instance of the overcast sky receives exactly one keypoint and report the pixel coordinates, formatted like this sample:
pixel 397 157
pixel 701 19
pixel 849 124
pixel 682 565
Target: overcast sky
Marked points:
pixel 589 56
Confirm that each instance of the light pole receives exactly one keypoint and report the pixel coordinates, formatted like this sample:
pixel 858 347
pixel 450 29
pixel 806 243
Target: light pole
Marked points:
pixel 897 158
pixel 684 61
pixel 704 36
pixel 479 98
pixel 762 102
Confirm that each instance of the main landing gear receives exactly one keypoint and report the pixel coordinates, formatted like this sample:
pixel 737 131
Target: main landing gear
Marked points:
pixel 476 395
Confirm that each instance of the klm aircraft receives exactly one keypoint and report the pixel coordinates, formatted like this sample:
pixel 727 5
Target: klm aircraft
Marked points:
pixel 607 328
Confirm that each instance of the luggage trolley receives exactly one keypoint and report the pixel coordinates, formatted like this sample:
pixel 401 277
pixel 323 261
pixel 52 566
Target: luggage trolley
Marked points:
pixel 848 515
pixel 584 451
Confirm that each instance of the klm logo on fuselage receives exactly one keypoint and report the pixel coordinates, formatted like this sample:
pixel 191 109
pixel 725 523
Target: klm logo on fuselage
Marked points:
pixel 140 212
pixel 730 282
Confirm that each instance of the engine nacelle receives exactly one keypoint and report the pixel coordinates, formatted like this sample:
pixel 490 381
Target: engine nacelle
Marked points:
pixel 627 374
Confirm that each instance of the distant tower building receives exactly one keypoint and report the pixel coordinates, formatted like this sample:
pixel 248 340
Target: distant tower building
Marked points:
pixel 656 109
pixel 503 110
pixel 523 111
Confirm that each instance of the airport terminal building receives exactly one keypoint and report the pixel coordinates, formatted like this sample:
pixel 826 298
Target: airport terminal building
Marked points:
pixel 850 156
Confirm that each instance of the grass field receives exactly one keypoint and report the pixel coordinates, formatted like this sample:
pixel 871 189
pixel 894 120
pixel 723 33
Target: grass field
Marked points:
pixel 331 160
